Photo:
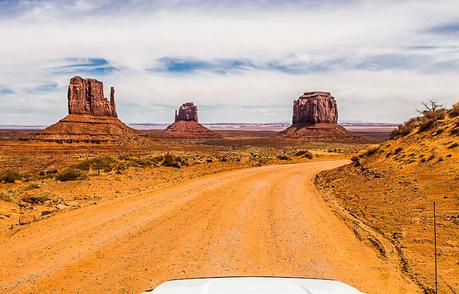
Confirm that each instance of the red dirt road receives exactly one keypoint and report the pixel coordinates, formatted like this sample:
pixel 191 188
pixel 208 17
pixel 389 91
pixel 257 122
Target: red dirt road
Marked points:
pixel 259 221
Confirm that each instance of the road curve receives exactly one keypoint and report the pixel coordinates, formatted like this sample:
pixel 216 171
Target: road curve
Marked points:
pixel 259 221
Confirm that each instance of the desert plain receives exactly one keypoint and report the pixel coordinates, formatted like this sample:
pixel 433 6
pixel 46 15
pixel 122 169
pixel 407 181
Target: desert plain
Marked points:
pixel 80 214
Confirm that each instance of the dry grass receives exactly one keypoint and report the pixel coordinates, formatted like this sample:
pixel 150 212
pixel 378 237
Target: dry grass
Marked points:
pixel 391 188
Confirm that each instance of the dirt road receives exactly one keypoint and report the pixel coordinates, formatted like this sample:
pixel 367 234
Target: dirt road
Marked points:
pixel 260 221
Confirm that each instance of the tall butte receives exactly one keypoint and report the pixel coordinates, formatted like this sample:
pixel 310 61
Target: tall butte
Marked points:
pixel 315 118
pixel 186 125
pixel 92 118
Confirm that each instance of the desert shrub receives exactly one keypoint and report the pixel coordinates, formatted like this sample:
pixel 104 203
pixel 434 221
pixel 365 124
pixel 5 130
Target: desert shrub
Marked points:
pixel 10 176
pixel 171 160
pixel 304 153
pixel 455 129
pixel 71 174
pixel 402 130
pixel 453 112
pixel 37 199
pixel 430 119
pixel 371 151
pixel 398 150
pixel 8 195
pixel 439 131
pixel 426 124
pixel 104 163
pixel 142 162
pixel 355 160
pixel 283 157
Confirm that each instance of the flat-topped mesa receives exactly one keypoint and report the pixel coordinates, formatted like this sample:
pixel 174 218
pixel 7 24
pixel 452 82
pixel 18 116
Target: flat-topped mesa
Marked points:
pixel 315 118
pixel 315 107
pixel 187 112
pixel 86 96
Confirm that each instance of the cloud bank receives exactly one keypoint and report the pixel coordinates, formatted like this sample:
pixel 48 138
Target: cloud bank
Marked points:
pixel 239 61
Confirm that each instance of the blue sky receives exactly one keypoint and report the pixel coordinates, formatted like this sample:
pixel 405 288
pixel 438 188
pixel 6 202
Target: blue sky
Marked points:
pixel 239 61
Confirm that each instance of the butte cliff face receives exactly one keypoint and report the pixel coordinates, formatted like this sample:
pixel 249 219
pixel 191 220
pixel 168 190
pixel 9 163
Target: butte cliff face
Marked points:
pixel 86 96
pixel 315 107
pixel 92 118
pixel 315 118
pixel 186 125
pixel 187 112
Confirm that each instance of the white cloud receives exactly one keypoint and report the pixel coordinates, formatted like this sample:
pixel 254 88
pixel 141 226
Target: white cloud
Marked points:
pixel 38 37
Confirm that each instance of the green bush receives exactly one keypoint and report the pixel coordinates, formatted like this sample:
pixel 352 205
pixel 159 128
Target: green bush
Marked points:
pixel 171 160
pixel 71 174
pixel 10 176
pixel 304 153
pixel 104 163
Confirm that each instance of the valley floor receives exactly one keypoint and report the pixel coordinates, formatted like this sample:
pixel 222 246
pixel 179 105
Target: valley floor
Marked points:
pixel 267 220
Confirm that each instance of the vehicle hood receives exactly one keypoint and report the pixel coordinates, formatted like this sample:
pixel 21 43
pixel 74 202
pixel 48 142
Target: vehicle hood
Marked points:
pixel 253 285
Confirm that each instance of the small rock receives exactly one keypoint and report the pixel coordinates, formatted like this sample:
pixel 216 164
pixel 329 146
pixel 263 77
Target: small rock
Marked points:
pixel 62 206
pixel 26 219
pixel 46 212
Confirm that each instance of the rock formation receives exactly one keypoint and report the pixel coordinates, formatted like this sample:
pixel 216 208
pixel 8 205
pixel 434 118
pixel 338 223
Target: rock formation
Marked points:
pixel 86 96
pixel 315 107
pixel 315 118
pixel 187 112
pixel 186 125
pixel 92 118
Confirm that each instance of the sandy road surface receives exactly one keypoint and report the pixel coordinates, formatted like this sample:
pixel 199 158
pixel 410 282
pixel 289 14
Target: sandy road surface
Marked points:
pixel 258 221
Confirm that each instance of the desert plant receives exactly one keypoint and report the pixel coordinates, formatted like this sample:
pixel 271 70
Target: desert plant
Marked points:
pixel 173 161
pixel 371 151
pixel 304 153
pixel 71 174
pixel 430 106
pixel 8 195
pixel 10 176
pixel 283 157
pixel 355 160
pixel 37 199
pixel 401 131
pixel 454 111
pixel 104 163
pixel 398 150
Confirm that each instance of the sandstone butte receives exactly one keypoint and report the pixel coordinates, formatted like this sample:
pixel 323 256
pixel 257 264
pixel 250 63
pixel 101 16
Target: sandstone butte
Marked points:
pixel 186 125
pixel 92 118
pixel 315 118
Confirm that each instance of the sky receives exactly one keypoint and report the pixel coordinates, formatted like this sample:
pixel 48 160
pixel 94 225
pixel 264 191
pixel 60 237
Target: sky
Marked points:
pixel 239 61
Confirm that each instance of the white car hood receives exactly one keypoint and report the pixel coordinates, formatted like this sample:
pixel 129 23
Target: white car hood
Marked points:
pixel 253 285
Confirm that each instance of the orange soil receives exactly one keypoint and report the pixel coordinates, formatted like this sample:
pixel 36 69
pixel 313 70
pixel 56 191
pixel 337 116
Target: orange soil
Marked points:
pixel 259 221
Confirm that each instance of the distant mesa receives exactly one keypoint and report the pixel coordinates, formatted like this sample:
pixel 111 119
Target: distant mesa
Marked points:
pixel 186 125
pixel 187 112
pixel 92 118
pixel 315 118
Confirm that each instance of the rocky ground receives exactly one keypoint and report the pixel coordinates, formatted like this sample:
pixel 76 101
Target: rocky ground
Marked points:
pixel 61 177
pixel 386 196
